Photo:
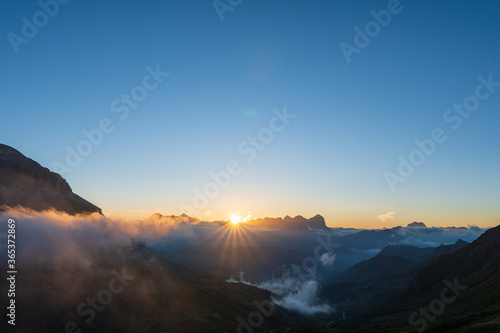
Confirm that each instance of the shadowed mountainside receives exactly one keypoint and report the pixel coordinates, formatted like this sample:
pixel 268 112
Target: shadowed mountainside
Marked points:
pixel 148 294
pixel 25 183
pixel 372 281
pixel 465 284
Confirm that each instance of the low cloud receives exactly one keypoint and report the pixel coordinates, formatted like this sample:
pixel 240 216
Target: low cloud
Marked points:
pixel 433 237
pixel 386 216
pixel 294 290
pixel 327 259
pixel 303 299
pixel 61 236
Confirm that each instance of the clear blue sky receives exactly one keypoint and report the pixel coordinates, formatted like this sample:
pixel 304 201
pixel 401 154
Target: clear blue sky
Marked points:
pixel 352 121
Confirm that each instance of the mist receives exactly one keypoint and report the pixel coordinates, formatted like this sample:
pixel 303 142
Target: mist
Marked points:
pixel 294 289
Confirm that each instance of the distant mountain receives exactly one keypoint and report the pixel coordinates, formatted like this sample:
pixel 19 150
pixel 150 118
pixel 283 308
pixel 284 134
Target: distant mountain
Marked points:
pixel 416 225
pixel 476 267
pixel 363 287
pixel 25 183
pixel 421 237
pixel 291 223
pixel 169 219
pixel 377 266
pixel 373 239
pixel 464 284
pixel 395 259
pixel 448 249
pixel 408 252
pixel 480 257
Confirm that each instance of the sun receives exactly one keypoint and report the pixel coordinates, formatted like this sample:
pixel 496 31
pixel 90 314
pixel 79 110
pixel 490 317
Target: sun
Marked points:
pixel 235 219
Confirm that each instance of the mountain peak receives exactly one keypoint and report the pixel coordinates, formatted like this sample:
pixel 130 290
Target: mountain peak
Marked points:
pixel 317 217
pixel 183 218
pixel 8 150
pixel 297 222
pixel 25 183
pixel 416 225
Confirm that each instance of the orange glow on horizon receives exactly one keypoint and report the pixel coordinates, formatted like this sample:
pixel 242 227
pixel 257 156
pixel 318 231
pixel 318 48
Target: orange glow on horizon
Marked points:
pixel 348 219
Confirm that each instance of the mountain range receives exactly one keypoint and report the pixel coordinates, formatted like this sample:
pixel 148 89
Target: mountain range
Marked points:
pixel 296 274
pixel 290 223
pixel 457 291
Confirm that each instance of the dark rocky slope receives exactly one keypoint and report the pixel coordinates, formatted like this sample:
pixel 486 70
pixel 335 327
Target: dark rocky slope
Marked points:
pixel 25 183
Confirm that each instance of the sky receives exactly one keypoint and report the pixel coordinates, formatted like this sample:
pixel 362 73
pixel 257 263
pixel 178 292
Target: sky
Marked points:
pixel 295 107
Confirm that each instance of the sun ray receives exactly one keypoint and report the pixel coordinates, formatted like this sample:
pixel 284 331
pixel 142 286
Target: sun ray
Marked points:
pixel 235 245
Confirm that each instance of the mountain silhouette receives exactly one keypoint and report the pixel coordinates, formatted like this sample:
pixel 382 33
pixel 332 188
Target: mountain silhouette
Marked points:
pixel 291 223
pixel 25 183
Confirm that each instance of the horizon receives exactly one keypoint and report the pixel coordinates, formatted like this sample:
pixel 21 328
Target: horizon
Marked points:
pixel 250 166
pixel 270 108
pixel 145 215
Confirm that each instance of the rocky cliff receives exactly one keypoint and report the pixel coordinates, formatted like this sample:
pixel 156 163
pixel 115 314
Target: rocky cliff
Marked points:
pixel 25 183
